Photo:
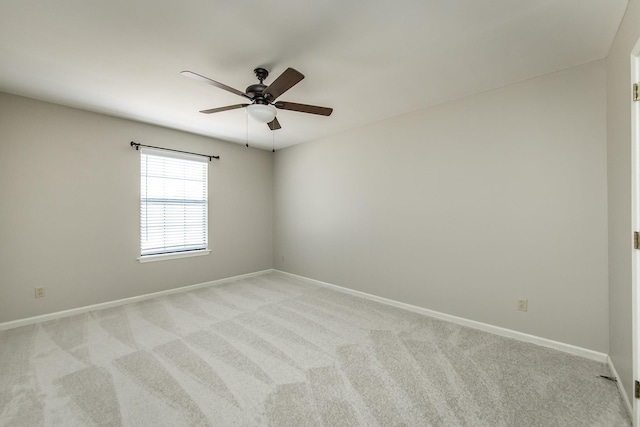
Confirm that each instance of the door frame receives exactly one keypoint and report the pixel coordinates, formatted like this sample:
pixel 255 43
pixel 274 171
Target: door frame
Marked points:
pixel 635 223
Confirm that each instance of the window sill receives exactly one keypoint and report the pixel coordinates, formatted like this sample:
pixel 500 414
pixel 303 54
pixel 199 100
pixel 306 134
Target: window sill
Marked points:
pixel 164 257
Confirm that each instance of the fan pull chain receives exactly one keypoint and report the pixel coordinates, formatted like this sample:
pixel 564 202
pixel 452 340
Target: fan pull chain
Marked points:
pixel 247 128
pixel 273 140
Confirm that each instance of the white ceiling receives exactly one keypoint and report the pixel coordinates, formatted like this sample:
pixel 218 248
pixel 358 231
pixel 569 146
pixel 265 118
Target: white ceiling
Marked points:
pixel 369 60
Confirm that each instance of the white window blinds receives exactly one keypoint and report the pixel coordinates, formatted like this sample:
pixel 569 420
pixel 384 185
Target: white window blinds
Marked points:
pixel 173 202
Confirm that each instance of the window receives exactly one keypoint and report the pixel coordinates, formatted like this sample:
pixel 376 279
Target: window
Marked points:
pixel 173 205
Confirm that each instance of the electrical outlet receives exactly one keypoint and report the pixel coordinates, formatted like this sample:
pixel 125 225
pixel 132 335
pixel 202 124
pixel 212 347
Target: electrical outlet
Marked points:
pixel 38 292
pixel 522 305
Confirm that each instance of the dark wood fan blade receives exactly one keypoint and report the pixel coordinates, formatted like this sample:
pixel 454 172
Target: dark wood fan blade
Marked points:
pixel 274 125
pixel 283 83
pixel 213 83
pixel 304 108
pixel 228 107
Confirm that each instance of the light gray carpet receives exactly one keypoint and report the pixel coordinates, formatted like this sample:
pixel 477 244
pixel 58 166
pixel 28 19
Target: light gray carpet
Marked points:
pixel 276 351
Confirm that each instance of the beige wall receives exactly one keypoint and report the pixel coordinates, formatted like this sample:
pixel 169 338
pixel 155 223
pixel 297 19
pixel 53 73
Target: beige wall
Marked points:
pixel 69 209
pixel 619 182
pixel 464 207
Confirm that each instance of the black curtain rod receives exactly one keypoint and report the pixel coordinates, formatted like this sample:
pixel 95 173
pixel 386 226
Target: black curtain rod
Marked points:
pixel 135 144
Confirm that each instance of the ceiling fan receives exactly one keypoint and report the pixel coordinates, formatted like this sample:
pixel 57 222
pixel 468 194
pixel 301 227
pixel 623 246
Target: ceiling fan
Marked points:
pixel 263 98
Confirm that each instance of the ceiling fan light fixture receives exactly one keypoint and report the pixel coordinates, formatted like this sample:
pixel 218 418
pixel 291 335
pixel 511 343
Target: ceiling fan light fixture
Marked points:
pixel 262 113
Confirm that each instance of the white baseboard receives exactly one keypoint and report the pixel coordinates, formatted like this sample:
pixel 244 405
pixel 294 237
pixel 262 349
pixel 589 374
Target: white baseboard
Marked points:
pixel 521 336
pixel 625 397
pixel 71 312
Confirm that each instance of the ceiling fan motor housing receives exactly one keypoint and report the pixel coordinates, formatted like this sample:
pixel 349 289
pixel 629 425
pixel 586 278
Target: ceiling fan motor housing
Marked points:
pixel 255 92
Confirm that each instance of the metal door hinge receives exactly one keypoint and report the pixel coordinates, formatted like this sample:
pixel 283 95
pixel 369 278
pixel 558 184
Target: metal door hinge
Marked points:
pixel 636 92
pixel 636 240
pixel 637 390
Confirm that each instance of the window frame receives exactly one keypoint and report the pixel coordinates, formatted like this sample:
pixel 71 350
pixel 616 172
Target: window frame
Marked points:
pixel 144 258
